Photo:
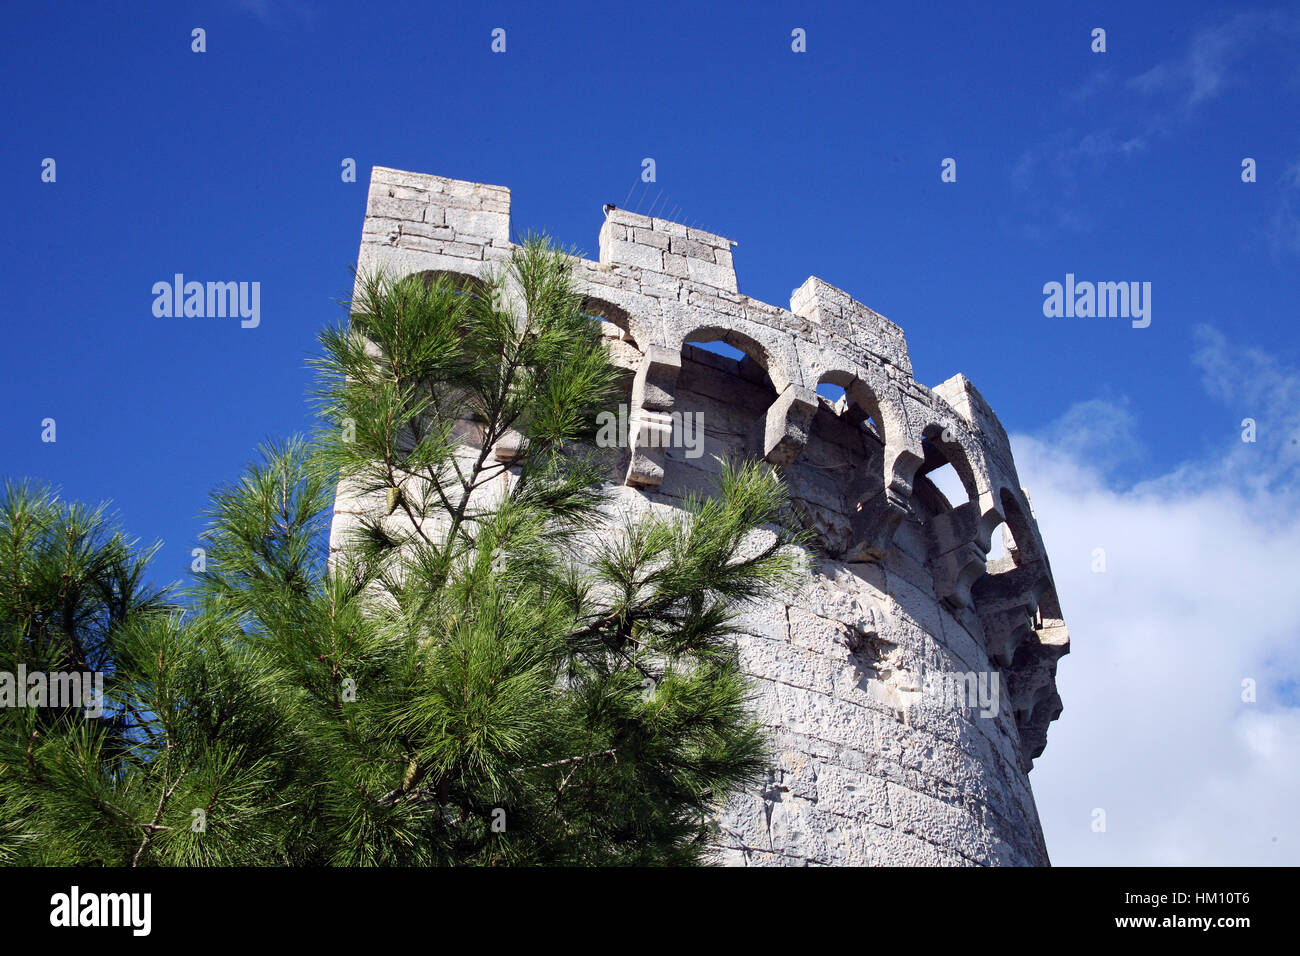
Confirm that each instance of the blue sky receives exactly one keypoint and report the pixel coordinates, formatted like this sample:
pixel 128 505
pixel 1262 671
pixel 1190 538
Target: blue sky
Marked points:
pixel 225 165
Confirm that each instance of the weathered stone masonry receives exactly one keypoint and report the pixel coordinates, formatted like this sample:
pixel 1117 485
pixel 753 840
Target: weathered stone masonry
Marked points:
pixel 872 767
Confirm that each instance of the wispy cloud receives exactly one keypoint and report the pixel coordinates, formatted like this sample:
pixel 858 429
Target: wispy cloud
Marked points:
pixel 1098 81
pixel 1206 69
pixel 1284 228
pixel 1136 113
pixel 1099 431
pixel 1197 597
pixel 1254 384
pixel 281 13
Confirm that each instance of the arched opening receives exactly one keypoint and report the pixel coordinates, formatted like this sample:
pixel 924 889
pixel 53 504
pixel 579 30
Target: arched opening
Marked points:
pixel 851 400
pixel 718 347
pixel 459 282
pixel 722 396
pixel 940 489
pixel 841 471
pixel 945 499
pixel 1018 537
pixel 1008 596
pixel 614 321
pixel 750 358
pixel 945 479
pixel 1002 546
pixel 833 393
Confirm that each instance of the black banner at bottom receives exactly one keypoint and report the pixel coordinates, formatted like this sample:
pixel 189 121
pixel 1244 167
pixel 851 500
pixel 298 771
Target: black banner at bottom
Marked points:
pixel 332 907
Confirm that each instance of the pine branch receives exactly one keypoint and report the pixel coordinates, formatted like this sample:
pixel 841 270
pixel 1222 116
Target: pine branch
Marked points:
pixel 152 827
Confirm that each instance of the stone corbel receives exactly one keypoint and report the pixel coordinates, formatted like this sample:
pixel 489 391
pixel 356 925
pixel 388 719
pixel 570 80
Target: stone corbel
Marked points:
pixel 955 572
pixel 509 446
pixel 1006 604
pixel 961 544
pixel 879 516
pixel 788 423
pixel 1031 686
pixel 1005 631
pixel 1032 724
pixel 652 402
pixel 1031 679
pixel 649 433
pixel 875 522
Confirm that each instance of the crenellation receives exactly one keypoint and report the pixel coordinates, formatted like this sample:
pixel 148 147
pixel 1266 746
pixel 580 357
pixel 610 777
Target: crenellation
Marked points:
pixel 961 394
pixel 869 767
pixel 669 228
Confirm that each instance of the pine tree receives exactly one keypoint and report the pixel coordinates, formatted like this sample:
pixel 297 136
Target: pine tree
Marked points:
pixel 72 587
pixel 498 668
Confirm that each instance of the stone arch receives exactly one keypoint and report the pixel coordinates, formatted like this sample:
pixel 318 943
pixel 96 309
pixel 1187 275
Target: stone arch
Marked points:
pixel 883 496
pixel 1007 599
pixel 943 446
pixel 467 283
pixel 607 311
pixel 866 395
pixel 639 316
pixel 732 374
pixel 959 536
pixel 1018 520
pixel 757 351
pixel 463 281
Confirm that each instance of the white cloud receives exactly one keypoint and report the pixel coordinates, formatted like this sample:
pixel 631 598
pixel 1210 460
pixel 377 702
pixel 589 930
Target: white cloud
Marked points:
pixel 1199 593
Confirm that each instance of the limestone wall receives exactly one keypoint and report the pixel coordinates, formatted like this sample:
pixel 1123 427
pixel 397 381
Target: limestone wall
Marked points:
pixel 887 753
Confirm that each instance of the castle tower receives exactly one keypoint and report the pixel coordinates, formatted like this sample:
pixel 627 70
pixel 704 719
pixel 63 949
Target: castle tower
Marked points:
pixel 909 687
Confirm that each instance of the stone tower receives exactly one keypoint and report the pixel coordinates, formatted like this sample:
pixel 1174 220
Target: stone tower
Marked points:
pixel 909 687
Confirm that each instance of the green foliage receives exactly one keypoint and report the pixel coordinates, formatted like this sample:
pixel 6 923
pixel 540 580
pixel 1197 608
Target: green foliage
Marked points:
pixel 493 670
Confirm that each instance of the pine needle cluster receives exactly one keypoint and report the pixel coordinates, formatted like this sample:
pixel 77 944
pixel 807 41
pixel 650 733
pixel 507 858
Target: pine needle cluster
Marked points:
pixel 499 667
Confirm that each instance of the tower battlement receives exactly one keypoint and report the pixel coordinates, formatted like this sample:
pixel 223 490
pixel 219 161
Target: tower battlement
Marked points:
pixel 871 767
